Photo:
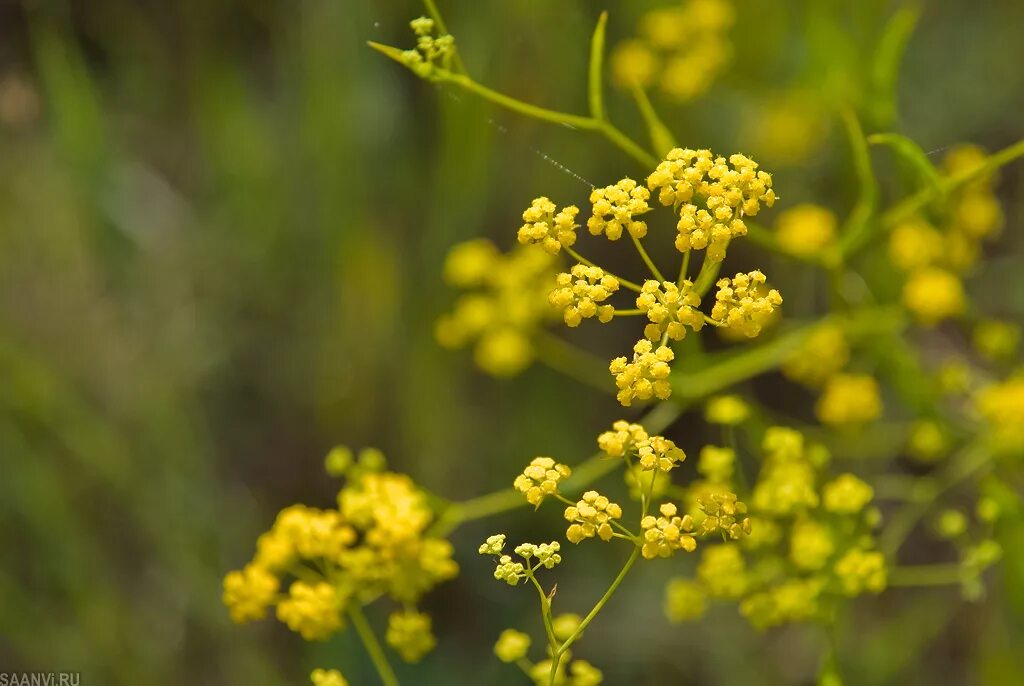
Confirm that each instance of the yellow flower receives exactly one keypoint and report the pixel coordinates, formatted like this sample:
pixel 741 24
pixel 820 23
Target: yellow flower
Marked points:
pixel 327 677
pixel 685 600
pixel 846 494
pixel 739 306
pixel 786 483
pixel 312 609
pixel 546 554
pixel 669 309
pixel 915 244
pixel 820 356
pixel 512 645
pixel 646 376
pixel 933 294
pixel 927 441
pixel 722 570
pixel 409 633
pixel 726 409
pixel 633 63
pixel 1002 407
pixel 861 571
pixel 546 227
pixel 623 439
pixel 565 625
pixel 249 592
pixel 806 230
pixel 508 571
pixel 810 545
pixel 659 452
pixel 728 191
pixel 579 292
pixel 493 545
pixel 432 52
pixel 591 516
pixel 615 209
pixel 723 513
pixel 996 340
pixel 793 600
pixel 716 464
pixel 849 399
pixel 584 674
pixel 540 478
pixel 468 264
pixel 666 534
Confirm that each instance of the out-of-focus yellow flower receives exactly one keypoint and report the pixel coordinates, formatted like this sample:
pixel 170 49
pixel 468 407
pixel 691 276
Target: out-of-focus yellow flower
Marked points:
pixel 716 464
pixel 685 600
pixel 849 399
pixel 633 63
pixel 823 354
pixel 512 645
pixel 915 244
pixel 507 304
pixel 409 633
pixel 861 571
pixel 312 609
pixel 793 600
pixel 951 523
pixel 726 409
pixel 806 230
pixel 723 571
pixel 933 295
pixel 995 339
pixel 646 376
pixel 786 484
pixel 927 441
pixel 723 514
pixel 565 625
pixel 787 128
pixel 810 545
pixel 249 592
pixel 540 478
pixel 327 677
pixel 846 494
pixel 1002 407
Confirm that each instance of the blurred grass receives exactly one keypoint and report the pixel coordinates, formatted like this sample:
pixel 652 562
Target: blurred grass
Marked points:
pixel 221 226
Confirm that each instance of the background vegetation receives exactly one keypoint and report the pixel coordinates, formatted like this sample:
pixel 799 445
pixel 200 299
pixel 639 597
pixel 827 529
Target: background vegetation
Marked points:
pixel 221 230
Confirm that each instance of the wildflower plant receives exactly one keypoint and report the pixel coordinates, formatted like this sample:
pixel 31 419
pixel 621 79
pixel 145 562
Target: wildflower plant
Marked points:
pixel 778 519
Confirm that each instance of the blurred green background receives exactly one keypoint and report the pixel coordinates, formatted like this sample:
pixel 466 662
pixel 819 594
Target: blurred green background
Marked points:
pixel 221 230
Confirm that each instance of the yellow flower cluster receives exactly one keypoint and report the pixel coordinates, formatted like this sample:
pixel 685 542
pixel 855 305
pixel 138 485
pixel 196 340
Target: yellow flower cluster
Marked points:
pixel 659 452
pixel 739 305
pixel 849 399
pixel 547 226
pixel 810 543
pixel 723 513
pixel 822 355
pixel 540 478
pixel 664 535
pixel 580 290
pixel 728 410
pixel 505 304
pixel 995 339
pixel 681 49
pixel 374 544
pixel 431 51
pixel 729 190
pixel 615 208
pixel 670 309
pixel 646 376
pixel 592 516
pixel 1001 405
pixel 409 633
pixel 512 645
pixel 623 439
pixel 327 677
pixel 806 230
pixel 936 257
pixel 716 464
pixel 512 572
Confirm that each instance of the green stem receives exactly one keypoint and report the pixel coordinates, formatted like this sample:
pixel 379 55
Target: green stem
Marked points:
pixel 600 603
pixel 545 611
pixel 684 268
pixel 574 362
pixel 583 260
pixel 595 90
pixel 926 575
pixel 647 259
pixel 373 647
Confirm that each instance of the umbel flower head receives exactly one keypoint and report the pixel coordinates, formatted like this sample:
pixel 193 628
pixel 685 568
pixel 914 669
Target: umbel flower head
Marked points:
pixel 739 306
pixel 505 304
pixel 327 677
pixel 540 478
pixel 409 633
pixel 646 376
pixel 623 439
pixel 823 354
pixel 547 227
pixel 615 209
pixel 664 535
pixel 431 52
pixel 374 544
pixel 806 230
pixel 580 292
pixel 711 195
pixel 591 516
pixel 849 399
pixel 670 309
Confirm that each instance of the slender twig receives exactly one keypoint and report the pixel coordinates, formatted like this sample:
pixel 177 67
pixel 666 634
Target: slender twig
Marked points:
pixel 372 645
